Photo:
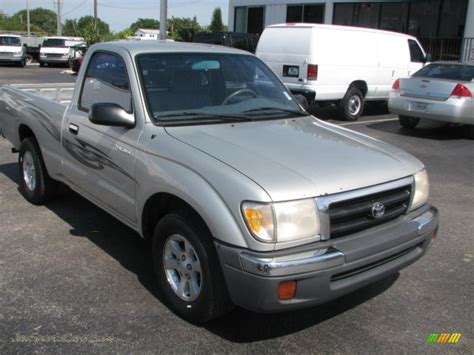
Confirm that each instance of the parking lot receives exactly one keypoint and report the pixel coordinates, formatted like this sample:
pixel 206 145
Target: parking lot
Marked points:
pixel 72 272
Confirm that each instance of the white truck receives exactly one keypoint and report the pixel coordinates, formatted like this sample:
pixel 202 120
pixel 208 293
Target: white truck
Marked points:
pixel 55 50
pixel 346 65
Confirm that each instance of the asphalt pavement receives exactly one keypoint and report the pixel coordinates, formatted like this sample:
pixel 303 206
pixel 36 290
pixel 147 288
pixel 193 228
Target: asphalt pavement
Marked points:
pixel 73 279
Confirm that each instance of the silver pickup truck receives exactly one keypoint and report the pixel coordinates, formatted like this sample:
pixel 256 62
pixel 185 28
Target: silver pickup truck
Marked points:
pixel 246 198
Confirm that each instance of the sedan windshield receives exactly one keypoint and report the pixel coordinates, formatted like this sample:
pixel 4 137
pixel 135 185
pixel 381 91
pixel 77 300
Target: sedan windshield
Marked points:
pixel 458 72
pixel 10 41
pixel 213 86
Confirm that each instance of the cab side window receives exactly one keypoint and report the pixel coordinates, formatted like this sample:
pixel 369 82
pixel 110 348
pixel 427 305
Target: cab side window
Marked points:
pixel 106 81
pixel 239 42
pixel 416 54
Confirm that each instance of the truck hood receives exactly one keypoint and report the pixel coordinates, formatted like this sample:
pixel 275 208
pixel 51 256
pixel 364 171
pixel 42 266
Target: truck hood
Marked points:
pixel 298 158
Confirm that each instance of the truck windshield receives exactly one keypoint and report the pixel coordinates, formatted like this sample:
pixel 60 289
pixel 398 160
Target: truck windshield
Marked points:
pixel 54 42
pixel 10 41
pixel 208 86
pixel 456 72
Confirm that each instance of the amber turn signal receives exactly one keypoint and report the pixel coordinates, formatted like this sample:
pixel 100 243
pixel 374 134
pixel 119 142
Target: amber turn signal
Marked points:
pixel 287 290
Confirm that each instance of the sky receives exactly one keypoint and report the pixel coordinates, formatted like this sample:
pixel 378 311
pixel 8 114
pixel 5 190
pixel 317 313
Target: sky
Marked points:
pixel 120 14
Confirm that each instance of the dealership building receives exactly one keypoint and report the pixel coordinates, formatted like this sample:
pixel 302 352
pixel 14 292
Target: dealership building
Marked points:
pixel 444 27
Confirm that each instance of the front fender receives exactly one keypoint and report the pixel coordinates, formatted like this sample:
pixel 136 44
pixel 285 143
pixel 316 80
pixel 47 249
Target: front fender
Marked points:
pixel 211 187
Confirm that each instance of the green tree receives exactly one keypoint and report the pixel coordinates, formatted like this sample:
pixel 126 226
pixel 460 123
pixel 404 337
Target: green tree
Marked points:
pixel 71 28
pixel 40 18
pixel 127 32
pixel 93 31
pixel 147 23
pixel 216 22
pixel 183 28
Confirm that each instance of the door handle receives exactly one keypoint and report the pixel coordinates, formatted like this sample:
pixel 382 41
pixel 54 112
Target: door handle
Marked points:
pixel 74 129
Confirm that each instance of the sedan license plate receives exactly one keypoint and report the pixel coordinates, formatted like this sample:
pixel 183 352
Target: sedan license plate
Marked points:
pixel 291 71
pixel 418 106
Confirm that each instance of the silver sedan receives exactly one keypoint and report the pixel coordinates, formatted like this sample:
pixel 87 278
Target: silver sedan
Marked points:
pixel 441 91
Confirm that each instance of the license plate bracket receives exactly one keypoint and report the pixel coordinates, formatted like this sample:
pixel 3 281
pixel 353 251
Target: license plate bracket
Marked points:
pixel 418 106
pixel 291 71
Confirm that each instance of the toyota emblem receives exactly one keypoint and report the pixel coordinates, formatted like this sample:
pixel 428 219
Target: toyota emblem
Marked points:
pixel 378 209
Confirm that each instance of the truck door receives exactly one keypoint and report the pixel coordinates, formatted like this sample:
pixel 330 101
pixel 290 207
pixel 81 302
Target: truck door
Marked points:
pixel 99 161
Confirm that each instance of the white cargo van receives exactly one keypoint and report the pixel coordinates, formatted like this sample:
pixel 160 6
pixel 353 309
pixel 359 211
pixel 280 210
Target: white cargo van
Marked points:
pixel 55 50
pixel 347 65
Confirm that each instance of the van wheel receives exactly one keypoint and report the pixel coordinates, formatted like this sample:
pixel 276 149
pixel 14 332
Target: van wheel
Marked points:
pixel 35 183
pixel 408 122
pixel 187 268
pixel 352 104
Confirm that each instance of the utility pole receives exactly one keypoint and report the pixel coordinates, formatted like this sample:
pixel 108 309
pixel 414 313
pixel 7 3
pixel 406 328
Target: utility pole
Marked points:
pixel 58 17
pixel 95 11
pixel 28 17
pixel 163 17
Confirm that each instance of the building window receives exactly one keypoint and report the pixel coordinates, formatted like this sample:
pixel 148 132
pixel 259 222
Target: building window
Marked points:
pixel 421 18
pixel 249 19
pixel 452 19
pixel 343 14
pixel 394 17
pixel 313 13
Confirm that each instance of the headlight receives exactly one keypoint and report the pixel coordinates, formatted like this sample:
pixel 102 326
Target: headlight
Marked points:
pixel 283 221
pixel 42 55
pixel 422 190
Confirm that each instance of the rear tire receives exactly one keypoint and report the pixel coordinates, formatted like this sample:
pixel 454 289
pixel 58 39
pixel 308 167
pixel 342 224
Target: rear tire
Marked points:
pixel 35 183
pixel 408 122
pixel 41 64
pixel 183 241
pixel 352 104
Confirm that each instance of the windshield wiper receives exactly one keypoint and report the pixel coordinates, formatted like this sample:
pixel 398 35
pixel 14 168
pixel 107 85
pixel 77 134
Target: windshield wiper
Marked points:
pixel 268 108
pixel 222 117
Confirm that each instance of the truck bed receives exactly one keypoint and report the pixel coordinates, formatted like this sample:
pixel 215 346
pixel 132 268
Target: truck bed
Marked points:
pixel 60 92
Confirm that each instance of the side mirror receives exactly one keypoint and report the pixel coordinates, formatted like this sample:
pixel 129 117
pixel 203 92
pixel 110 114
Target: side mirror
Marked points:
pixel 302 101
pixel 108 114
pixel 428 58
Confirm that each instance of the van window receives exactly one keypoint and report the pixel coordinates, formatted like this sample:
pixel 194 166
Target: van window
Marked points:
pixel 416 54
pixel 106 81
pixel 239 41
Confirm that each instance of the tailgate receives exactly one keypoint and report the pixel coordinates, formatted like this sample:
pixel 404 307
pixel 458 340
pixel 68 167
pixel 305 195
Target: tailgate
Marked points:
pixel 426 88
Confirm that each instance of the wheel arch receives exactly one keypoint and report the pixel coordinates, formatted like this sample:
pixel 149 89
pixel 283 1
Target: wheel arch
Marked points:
pixel 213 214
pixel 361 85
pixel 24 131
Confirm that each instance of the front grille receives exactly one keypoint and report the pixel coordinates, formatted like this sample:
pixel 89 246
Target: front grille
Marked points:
pixel 355 215
pixel 54 55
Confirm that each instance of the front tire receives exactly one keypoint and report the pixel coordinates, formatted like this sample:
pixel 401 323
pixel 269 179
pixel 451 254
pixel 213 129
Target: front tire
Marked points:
pixel 352 104
pixel 187 268
pixel 35 183
pixel 408 122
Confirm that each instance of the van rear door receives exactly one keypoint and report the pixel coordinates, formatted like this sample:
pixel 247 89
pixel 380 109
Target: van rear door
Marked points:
pixel 286 50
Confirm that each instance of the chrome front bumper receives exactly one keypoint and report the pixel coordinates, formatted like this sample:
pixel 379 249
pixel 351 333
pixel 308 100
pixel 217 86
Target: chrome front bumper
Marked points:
pixel 314 260
pixel 327 269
